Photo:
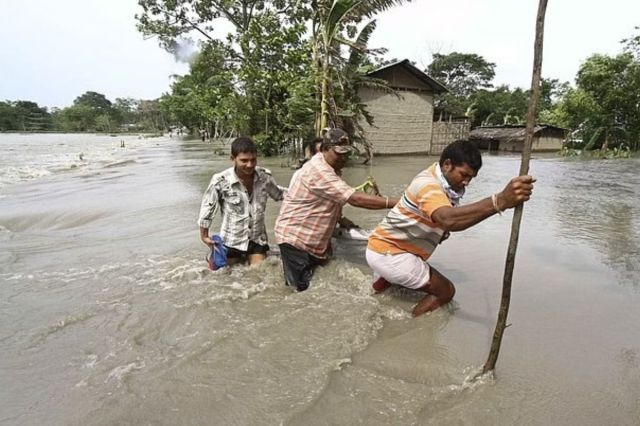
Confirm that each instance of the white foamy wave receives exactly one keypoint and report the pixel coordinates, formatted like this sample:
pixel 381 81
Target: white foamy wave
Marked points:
pixel 122 371
pixel 473 379
pixel 11 174
pixel 41 156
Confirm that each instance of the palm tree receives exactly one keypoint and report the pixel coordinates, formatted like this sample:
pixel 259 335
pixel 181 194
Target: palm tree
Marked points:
pixel 329 21
pixel 352 77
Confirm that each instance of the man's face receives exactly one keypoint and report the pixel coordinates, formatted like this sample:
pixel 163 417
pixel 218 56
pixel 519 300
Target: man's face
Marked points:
pixel 245 164
pixel 335 159
pixel 458 176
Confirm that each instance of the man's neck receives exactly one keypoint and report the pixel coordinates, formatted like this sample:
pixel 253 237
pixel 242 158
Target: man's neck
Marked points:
pixel 246 180
pixel 328 161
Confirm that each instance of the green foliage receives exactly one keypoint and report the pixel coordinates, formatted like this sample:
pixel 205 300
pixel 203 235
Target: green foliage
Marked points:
pixel 24 116
pixel 244 83
pixel 602 153
pixel 463 74
pixel 604 105
pixel 90 112
pixel 94 100
pixel 78 118
pixel 333 24
pixel 266 78
pixel 497 107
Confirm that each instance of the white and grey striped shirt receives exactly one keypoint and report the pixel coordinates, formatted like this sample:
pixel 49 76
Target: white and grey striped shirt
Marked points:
pixel 242 216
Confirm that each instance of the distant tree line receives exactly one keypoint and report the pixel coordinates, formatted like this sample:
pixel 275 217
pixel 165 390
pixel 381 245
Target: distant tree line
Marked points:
pixel 90 112
pixel 602 109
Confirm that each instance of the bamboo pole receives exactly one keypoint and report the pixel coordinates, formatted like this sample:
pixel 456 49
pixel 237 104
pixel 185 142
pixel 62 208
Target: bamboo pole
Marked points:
pixel 501 323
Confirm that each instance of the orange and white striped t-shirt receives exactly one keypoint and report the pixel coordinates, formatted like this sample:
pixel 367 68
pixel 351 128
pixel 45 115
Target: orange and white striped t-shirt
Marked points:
pixel 408 227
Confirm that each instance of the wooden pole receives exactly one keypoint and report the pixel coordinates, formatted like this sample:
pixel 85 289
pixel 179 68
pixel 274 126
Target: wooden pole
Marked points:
pixel 501 323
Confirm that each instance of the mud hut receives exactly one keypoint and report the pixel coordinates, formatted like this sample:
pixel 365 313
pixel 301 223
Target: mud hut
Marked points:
pixel 510 138
pixel 404 120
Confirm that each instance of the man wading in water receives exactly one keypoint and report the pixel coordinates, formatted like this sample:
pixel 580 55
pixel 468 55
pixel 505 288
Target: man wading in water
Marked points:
pixel 241 191
pixel 312 207
pixel 399 247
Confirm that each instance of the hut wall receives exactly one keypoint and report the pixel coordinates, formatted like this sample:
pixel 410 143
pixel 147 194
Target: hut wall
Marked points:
pixel 400 78
pixel 547 143
pixel 445 132
pixel 511 145
pixel 401 125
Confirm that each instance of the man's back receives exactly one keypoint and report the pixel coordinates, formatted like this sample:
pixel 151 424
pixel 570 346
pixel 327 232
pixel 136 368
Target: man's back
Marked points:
pixel 312 207
pixel 408 227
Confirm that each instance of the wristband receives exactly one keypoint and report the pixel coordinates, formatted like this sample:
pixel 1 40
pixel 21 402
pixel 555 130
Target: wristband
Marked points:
pixel 494 201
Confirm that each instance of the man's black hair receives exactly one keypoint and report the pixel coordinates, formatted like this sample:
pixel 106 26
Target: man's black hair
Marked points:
pixel 312 145
pixel 243 144
pixel 462 151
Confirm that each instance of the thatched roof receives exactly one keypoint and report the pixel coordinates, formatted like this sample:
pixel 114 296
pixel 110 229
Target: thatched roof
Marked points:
pixel 513 133
pixel 434 85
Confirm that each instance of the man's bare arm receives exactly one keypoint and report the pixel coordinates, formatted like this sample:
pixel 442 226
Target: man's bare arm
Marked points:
pixel 517 191
pixel 372 202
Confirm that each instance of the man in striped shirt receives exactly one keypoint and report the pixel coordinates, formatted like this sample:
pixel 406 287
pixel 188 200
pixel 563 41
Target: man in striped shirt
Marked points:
pixel 312 207
pixel 241 193
pixel 402 243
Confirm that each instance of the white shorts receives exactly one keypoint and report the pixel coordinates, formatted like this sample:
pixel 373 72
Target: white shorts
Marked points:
pixel 405 269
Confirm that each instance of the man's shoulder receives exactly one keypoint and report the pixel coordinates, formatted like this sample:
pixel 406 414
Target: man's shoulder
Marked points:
pixel 223 177
pixel 263 172
pixel 426 176
pixel 318 169
pixel 425 182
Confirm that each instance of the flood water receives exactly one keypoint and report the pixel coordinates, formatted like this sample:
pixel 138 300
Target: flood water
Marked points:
pixel 108 314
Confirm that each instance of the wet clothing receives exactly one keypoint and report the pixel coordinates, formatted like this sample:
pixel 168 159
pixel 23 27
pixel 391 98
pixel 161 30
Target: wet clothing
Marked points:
pixel 298 266
pixel 252 248
pixel 312 207
pixel 405 269
pixel 242 214
pixel 408 227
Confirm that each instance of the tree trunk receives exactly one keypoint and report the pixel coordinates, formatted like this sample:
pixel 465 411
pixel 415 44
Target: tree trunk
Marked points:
pixel 501 323
pixel 324 101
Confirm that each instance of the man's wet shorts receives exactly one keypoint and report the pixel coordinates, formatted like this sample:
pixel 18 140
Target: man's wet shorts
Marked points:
pixel 405 269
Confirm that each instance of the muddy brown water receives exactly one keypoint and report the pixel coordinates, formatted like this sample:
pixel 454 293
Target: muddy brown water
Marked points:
pixel 108 314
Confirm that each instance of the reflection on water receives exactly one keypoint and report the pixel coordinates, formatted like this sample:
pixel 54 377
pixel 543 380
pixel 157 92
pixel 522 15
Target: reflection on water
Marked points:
pixel 108 314
pixel 598 202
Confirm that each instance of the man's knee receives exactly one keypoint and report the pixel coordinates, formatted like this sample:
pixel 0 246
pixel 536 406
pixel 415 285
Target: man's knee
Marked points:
pixel 449 293
pixel 440 286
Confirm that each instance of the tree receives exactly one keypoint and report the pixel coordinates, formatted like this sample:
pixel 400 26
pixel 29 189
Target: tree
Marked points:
pixel 94 100
pixel 8 117
pixel 78 118
pixel 257 62
pixel 23 116
pixel 330 20
pixel 632 45
pixel 265 65
pixel 497 107
pixel 351 77
pixel 605 102
pixel 124 111
pixel 463 74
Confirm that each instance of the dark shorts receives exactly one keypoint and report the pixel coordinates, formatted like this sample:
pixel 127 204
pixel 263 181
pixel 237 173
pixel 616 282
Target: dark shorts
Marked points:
pixel 253 248
pixel 298 266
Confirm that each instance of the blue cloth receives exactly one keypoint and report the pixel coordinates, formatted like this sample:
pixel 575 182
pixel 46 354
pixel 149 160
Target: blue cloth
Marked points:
pixel 218 257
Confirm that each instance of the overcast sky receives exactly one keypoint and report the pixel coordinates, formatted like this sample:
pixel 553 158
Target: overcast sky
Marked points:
pixel 53 51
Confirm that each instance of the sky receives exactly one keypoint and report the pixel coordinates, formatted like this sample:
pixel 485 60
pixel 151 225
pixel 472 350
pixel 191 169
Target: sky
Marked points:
pixel 53 51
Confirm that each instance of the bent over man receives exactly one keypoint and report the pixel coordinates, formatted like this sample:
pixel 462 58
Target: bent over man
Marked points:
pixel 401 244
pixel 241 193
pixel 312 207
